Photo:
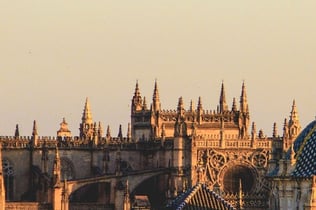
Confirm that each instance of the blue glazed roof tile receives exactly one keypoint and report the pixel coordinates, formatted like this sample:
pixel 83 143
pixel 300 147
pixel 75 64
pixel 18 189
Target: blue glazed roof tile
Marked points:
pixel 305 149
pixel 199 197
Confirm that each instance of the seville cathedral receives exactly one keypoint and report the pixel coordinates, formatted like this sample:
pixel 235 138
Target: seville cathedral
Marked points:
pixel 188 158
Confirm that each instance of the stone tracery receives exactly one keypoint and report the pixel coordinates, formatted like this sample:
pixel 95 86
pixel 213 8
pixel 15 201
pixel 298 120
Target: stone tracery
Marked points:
pixel 67 169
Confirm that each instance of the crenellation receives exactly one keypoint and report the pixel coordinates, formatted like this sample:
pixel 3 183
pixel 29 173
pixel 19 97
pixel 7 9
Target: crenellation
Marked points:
pixel 214 147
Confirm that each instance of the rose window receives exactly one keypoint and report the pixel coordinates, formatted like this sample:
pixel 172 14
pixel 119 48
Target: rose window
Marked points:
pixel 259 160
pixel 217 161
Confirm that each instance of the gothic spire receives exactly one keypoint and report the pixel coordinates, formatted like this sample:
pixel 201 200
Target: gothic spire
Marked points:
pixel 108 132
pixel 294 113
pixel 137 92
pixel 275 130
pixel 243 99
pixel 222 100
pixel 199 110
pixel 191 106
pixel 100 130
pixel 34 133
pixel 253 130
pixel 17 131
pixel 234 106
pixel 86 126
pixel 137 99
pixel 294 123
pixel 199 107
pixel 156 100
pixel 120 134
pixel 87 116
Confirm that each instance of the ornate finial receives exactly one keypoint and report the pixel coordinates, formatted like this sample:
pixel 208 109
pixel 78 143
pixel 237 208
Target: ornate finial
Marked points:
pixel 275 130
pixel 285 134
pixel 120 134
pixel 108 132
pixel 200 104
pixel 100 129
pixel 156 100
pixel 222 100
pixel 17 132
pixel 253 130
pixel 234 106
pixel 294 113
pixel 137 92
pixel 34 133
pixel 243 99
pixel 191 106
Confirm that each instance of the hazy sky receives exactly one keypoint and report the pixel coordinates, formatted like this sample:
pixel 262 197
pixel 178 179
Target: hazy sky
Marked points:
pixel 55 53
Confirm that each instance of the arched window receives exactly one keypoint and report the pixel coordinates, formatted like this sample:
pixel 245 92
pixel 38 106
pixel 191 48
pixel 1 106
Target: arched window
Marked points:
pixel 236 175
pixel 67 169
pixel 8 174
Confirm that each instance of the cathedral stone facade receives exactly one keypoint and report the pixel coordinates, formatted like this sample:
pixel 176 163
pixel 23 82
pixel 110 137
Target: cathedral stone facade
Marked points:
pixel 163 154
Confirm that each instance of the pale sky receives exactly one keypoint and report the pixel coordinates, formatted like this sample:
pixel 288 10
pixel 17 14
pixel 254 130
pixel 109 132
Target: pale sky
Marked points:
pixel 55 53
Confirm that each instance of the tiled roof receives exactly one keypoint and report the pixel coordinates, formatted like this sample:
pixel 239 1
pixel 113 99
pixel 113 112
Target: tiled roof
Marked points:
pixel 199 197
pixel 305 149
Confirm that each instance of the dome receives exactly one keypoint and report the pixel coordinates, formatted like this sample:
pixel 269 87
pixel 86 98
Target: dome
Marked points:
pixel 305 152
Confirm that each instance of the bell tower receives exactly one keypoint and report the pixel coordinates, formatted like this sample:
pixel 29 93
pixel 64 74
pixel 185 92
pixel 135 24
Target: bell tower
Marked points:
pixel 86 126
